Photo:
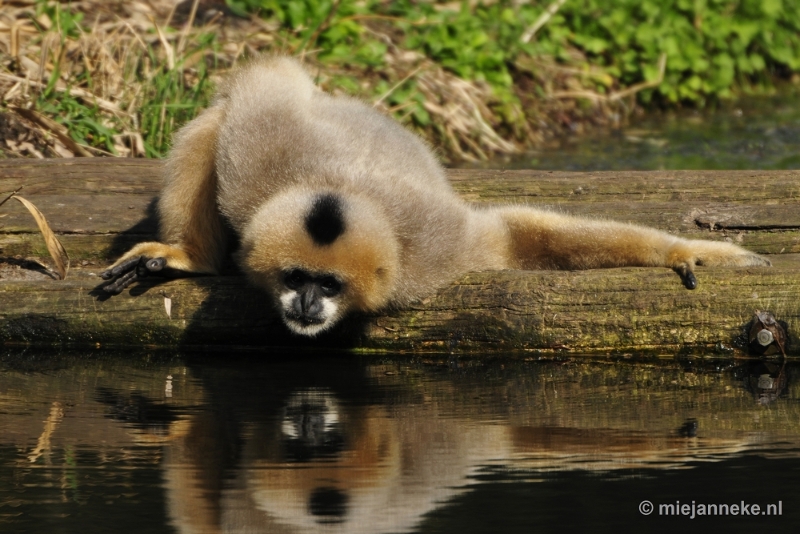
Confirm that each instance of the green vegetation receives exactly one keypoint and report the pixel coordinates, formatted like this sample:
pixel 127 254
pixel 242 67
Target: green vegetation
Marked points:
pixel 163 98
pixel 713 46
pixel 473 77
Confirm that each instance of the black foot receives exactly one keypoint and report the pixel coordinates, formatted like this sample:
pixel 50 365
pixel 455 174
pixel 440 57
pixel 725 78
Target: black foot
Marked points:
pixel 689 280
pixel 130 271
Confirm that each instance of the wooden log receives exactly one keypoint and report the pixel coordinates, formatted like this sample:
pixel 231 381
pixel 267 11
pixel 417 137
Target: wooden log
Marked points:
pixel 100 207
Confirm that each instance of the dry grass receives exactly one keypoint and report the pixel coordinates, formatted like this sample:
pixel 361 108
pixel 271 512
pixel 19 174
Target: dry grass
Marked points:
pixel 129 78
pixel 122 79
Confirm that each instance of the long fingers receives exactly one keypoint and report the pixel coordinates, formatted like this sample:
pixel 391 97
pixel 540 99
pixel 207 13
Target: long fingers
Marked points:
pixel 121 283
pixel 130 271
pixel 123 267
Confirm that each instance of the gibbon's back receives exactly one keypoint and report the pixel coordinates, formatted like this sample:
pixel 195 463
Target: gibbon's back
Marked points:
pixel 280 130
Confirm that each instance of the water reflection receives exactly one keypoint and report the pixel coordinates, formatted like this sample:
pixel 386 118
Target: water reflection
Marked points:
pixel 267 443
pixel 766 380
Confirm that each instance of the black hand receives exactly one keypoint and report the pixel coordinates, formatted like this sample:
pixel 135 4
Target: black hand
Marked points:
pixel 689 280
pixel 121 268
pixel 121 283
pixel 130 271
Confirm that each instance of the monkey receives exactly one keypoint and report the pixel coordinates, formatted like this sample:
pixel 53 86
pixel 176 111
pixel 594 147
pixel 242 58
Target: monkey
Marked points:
pixel 338 209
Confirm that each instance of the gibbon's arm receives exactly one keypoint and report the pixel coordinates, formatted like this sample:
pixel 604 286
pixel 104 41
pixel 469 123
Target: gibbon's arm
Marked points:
pixel 192 234
pixel 545 240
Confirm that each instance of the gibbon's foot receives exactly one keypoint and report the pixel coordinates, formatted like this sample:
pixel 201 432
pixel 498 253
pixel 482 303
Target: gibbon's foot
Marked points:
pixel 685 254
pixel 130 271
pixel 688 279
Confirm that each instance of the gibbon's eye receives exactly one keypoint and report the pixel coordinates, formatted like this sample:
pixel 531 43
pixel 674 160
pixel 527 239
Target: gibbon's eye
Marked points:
pixel 330 286
pixel 295 279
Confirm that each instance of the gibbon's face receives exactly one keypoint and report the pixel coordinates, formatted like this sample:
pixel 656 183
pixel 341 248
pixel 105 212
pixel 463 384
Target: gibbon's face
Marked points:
pixel 320 255
pixel 310 303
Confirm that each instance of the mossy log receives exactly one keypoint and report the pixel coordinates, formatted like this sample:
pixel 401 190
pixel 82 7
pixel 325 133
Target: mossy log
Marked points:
pixel 98 208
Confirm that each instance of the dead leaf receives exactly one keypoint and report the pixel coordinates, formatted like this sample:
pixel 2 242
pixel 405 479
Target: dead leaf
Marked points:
pixel 54 246
pixel 14 192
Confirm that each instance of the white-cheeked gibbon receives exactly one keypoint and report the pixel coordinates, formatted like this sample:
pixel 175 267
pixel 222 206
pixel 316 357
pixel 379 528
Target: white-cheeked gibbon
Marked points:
pixel 339 209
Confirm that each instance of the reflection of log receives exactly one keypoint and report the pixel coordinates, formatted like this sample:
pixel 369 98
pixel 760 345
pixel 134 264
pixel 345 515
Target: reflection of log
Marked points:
pixel 100 207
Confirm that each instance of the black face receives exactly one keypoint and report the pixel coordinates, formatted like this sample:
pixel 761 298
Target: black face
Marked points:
pixel 307 306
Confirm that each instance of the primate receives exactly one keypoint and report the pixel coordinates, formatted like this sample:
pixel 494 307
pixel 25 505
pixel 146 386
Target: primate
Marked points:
pixel 338 209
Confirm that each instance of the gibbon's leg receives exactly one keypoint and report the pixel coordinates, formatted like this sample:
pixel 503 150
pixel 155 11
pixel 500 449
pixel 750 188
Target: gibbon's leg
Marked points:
pixel 192 234
pixel 546 240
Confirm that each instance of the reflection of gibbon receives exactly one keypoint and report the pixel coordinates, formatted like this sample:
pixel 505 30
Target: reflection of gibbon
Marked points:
pixel 340 209
pixel 323 466
pixel 348 467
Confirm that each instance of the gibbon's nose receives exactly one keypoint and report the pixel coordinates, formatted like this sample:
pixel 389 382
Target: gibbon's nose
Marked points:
pixel 309 303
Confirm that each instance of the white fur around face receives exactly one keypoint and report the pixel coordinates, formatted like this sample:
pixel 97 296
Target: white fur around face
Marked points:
pixel 324 404
pixel 330 314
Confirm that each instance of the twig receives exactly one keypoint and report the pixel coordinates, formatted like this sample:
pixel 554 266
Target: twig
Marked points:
pixel 543 19
pixel 74 91
pixel 619 95
pixel 395 86
pixel 53 127
pixel 319 29
pixel 421 22
pixel 662 68
pixel 587 94
pixel 187 27
pixel 101 151
pixel 14 192
pixel 167 47
pixel 171 14
pixel 133 32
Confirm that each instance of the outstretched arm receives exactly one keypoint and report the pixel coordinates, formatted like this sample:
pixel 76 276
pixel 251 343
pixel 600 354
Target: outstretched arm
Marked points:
pixel 546 240
pixel 191 232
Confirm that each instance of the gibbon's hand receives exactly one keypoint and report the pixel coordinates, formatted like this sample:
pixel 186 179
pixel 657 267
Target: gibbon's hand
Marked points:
pixel 688 279
pixel 131 270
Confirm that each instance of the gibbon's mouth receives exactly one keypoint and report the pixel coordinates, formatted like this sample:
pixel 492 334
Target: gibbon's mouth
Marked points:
pixel 303 319
pixel 306 326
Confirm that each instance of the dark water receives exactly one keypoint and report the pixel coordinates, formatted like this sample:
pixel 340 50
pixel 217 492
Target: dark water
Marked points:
pixel 269 442
pixel 753 133
pixel 103 442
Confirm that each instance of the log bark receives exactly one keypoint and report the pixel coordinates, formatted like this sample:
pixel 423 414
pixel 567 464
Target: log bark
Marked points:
pixel 101 207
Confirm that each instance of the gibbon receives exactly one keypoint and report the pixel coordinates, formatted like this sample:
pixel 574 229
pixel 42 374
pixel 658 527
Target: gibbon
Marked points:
pixel 338 208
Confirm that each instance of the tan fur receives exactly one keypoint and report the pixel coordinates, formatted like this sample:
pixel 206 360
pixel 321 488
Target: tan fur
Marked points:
pixel 271 141
pixel 190 225
pixel 365 257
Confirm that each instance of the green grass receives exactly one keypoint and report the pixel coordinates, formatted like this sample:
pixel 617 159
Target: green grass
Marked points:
pixel 407 54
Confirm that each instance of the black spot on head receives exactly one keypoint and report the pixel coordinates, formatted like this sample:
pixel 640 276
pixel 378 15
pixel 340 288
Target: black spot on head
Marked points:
pixel 325 219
